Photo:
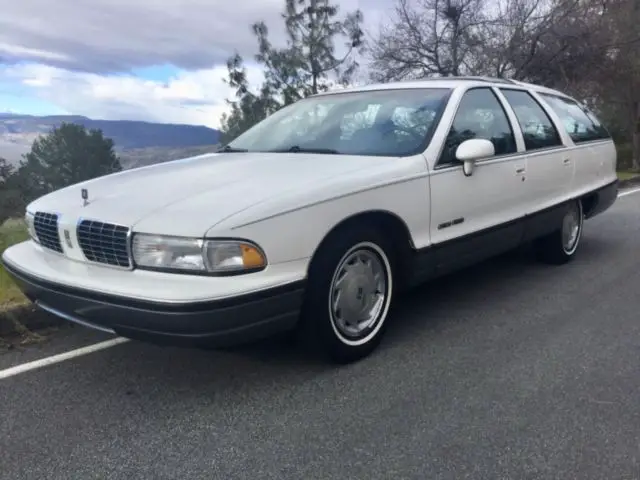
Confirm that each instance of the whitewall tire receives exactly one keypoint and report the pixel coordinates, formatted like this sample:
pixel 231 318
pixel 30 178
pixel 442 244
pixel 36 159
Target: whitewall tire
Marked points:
pixel 349 294
pixel 561 245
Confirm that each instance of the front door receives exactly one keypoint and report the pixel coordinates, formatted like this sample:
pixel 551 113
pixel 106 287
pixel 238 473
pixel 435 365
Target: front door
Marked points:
pixel 476 217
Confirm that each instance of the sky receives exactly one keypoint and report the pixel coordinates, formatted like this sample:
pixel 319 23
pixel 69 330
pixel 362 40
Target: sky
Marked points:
pixel 153 60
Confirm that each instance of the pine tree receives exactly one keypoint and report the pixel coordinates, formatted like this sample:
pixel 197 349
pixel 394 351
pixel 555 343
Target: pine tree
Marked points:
pixel 69 154
pixel 310 62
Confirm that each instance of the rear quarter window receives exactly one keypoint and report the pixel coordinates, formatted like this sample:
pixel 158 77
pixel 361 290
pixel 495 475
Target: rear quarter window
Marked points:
pixel 580 123
pixel 537 127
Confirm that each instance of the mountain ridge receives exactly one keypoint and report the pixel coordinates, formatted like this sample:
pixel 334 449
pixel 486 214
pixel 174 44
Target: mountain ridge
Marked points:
pixel 18 131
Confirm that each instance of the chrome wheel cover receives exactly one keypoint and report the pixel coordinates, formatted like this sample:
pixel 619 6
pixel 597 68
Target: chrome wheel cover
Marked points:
pixel 359 295
pixel 572 228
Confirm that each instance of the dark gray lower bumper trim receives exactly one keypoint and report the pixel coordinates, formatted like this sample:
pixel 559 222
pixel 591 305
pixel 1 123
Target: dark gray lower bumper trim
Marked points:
pixel 222 322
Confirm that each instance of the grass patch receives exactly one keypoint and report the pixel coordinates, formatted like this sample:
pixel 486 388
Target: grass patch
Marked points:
pixel 11 232
pixel 626 175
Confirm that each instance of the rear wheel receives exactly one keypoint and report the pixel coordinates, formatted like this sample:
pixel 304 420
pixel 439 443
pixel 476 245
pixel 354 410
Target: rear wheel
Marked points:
pixel 351 285
pixel 561 246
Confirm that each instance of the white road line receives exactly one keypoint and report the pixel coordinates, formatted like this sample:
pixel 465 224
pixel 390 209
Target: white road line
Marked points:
pixel 624 193
pixel 44 362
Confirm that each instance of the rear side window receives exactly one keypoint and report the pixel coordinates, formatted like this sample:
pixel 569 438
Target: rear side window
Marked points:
pixel 581 124
pixel 537 128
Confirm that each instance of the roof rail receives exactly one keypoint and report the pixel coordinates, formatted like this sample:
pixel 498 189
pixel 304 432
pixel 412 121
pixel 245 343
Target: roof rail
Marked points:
pixel 485 79
pixel 464 77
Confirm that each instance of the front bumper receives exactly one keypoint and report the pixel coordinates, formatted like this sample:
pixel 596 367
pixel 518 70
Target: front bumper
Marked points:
pixel 222 322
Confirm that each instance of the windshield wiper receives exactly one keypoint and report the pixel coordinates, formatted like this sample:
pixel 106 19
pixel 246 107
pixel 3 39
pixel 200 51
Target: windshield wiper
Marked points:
pixel 230 149
pixel 299 149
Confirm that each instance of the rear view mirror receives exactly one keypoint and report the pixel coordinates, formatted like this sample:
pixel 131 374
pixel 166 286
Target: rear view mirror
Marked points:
pixel 472 150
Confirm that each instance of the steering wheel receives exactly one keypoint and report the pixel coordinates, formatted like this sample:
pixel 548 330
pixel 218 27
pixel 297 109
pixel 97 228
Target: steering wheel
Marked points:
pixel 404 129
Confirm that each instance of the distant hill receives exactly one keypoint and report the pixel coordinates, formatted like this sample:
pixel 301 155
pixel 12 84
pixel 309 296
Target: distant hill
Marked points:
pixel 141 157
pixel 17 133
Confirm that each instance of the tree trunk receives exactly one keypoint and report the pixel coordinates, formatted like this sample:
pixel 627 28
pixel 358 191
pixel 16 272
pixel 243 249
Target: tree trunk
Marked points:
pixel 636 151
pixel 635 138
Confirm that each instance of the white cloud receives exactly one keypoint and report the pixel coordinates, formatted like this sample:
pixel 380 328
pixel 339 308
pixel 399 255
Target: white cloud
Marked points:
pixel 79 52
pixel 192 97
pixel 17 51
pixel 117 35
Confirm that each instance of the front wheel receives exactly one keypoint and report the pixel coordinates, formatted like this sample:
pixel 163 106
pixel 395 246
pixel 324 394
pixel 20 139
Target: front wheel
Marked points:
pixel 561 245
pixel 351 286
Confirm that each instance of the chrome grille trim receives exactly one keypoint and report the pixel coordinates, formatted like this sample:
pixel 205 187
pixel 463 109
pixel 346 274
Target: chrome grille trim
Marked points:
pixel 46 227
pixel 104 243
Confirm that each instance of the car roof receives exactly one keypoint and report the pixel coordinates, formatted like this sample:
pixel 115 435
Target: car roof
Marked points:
pixel 446 82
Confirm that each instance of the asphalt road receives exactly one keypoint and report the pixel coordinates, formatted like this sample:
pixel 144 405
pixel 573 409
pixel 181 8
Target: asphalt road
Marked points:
pixel 510 370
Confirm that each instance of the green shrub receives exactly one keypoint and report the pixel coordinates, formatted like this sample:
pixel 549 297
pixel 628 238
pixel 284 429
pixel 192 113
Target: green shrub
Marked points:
pixel 11 232
pixel 625 156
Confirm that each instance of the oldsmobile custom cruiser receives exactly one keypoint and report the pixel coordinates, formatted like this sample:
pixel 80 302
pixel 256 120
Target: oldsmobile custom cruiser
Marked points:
pixel 314 219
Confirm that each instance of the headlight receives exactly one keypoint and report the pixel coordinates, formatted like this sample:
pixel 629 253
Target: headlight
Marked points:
pixel 29 220
pixel 195 254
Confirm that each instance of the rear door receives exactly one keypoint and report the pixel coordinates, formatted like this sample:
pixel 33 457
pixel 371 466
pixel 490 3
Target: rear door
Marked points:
pixel 593 151
pixel 550 163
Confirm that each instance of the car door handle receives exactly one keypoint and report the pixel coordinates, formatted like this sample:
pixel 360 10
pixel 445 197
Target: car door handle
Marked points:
pixel 566 161
pixel 520 170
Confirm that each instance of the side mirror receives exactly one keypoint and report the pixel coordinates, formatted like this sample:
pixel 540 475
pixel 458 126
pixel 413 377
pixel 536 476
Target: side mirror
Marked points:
pixel 472 150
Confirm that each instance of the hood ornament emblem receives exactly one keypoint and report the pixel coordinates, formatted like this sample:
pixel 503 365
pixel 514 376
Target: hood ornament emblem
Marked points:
pixel 85 197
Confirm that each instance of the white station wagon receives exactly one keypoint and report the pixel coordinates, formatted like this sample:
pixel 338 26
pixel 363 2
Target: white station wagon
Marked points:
pixel 314 219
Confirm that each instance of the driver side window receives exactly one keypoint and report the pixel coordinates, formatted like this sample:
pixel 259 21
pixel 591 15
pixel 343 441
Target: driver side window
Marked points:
pixel 479 115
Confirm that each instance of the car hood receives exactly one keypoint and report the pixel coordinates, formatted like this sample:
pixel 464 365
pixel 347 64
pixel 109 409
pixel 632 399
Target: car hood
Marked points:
pixel 191 195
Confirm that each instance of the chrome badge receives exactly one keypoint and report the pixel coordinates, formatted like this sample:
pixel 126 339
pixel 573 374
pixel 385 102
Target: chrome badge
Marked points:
pixel 67 238
pixel 85 197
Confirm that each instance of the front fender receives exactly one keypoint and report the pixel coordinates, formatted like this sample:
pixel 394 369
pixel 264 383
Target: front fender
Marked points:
pixel 295 234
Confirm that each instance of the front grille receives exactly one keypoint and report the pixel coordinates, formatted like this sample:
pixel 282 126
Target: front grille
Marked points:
pixel 104 243
pixel 46 227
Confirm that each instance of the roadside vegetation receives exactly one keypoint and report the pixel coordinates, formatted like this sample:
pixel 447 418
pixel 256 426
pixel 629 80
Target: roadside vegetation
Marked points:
pixel 11 232
pixel 68 154
pixel 627 175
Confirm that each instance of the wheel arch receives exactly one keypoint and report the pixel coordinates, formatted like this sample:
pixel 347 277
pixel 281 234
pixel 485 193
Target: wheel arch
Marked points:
pixel 589 203
pixel 389 224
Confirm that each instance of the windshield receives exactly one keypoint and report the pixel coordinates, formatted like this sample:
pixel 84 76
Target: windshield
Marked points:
pixel 375 123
